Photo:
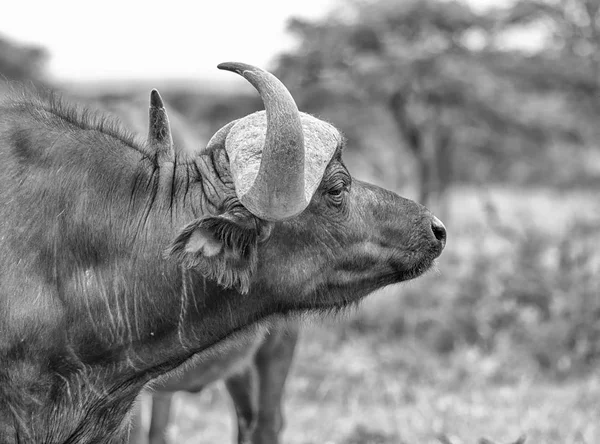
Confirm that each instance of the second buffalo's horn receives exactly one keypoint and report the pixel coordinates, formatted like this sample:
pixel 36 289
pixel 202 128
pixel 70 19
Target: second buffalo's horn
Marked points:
pixel 159 131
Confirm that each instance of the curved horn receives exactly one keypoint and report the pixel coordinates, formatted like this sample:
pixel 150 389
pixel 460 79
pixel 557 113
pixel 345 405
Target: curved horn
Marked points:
pixel 159 131
pixel 278 191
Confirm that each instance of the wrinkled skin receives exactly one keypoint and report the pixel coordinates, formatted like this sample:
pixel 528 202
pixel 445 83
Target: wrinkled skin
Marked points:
pixel 92 308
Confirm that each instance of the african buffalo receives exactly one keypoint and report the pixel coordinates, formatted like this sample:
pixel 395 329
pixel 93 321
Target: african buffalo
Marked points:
pixel 254 375
pixel 124 259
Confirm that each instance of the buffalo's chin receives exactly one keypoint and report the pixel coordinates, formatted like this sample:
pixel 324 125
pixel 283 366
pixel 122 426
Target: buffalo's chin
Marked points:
pixel 422 262
pixel 343 296
pixel 339 294
pixel 418 270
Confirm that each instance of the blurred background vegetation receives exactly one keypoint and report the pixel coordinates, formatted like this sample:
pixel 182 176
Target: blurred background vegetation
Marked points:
pixel 490 118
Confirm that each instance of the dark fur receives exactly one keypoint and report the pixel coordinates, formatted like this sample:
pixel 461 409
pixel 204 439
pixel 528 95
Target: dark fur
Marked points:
pixel 75 117
pixel 90 308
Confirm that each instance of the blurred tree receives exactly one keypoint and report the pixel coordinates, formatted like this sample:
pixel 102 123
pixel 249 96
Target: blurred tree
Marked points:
pixel 570 57
pixel 22 62
pixel 572 26
pixel 435 69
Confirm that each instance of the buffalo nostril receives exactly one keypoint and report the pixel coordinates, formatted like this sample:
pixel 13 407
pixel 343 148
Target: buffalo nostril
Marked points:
pixel 439 230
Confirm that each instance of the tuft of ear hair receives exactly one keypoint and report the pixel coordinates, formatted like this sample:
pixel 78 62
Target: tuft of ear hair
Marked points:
pixel 223 248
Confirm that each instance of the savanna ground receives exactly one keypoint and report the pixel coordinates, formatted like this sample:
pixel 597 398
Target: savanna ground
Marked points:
pixel 502 340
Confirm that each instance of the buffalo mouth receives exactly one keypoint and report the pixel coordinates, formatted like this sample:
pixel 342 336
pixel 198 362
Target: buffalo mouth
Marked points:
pixel 384 266
pixel 426 264
pixel 350 286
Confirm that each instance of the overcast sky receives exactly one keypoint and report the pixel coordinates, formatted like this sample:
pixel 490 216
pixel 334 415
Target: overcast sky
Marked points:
pixel 122 39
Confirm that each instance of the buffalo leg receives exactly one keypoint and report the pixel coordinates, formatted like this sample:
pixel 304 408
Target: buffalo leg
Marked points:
pixel 243 388
pixel 273 361
pixel 161 410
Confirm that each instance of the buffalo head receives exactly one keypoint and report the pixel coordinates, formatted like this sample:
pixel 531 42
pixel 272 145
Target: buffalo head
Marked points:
pixel 288 217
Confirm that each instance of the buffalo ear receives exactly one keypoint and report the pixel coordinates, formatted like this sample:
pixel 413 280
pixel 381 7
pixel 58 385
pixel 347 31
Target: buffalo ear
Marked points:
pixel 199 241
pixel 223 248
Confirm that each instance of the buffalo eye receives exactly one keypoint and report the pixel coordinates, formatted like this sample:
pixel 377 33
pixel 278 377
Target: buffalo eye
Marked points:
pixel 336 193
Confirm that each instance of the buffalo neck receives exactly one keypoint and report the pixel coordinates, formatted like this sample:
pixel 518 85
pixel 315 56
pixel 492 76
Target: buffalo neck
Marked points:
pixel 99 310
